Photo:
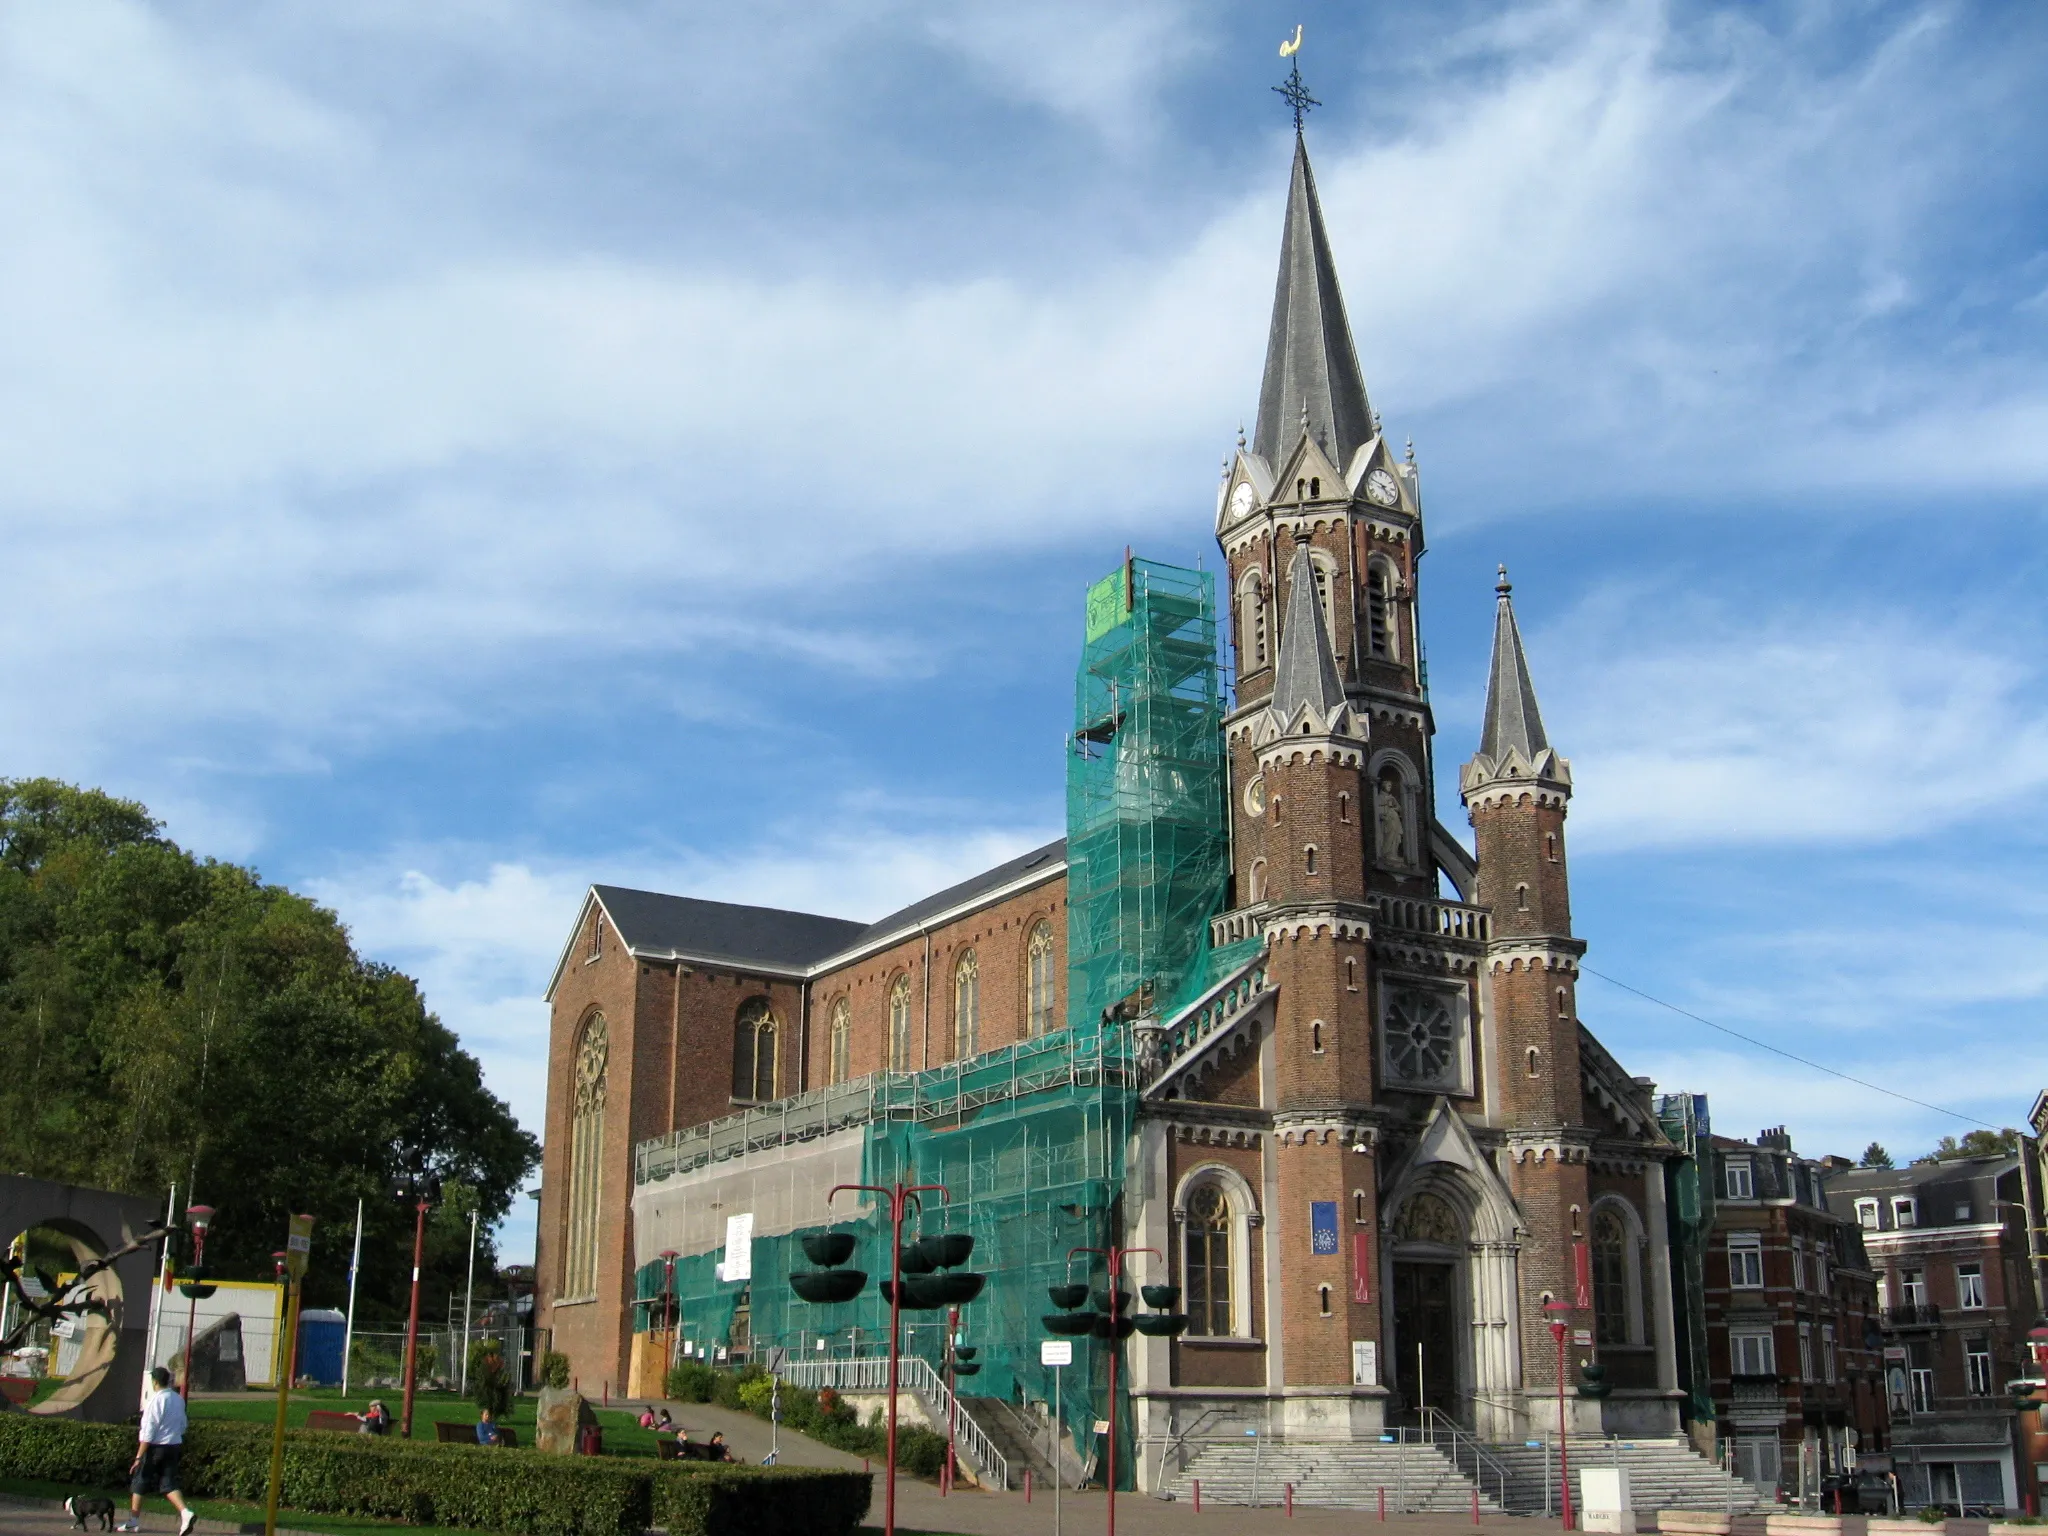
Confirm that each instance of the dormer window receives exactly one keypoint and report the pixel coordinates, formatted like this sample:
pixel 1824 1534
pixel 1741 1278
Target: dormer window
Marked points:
pixel 1315 488
pixel 1866 1215
pixel 1905 1211
pixel 1741 1179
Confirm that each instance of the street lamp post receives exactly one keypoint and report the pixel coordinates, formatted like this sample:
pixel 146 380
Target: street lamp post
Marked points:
pixel 199 1218
pixel 1115 1258
pixel 899 1196
pixel 412 1327
pixel 1560 1327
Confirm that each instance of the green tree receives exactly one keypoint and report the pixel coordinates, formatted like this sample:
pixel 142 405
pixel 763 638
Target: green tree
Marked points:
pixel 172 1019
pixel 1875 1156
pixel 1985 1143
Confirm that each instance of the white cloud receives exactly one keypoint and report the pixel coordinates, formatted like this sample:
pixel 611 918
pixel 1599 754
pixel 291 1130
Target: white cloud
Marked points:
pixel 1689 723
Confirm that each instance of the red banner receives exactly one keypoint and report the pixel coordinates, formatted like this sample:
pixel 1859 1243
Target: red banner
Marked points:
pixel 1582 1272
pixel 1361 1266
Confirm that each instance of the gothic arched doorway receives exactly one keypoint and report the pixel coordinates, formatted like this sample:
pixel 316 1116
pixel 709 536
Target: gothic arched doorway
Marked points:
pixel 1429 1250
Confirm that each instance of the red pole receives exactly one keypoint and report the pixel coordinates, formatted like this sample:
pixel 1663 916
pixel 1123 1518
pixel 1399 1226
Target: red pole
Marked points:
pixel 1287 1495
pixel 1564 1453
pixel 1114 1271
pixel 1198 1495
pixel 895 1314
pixel 412 1326
pixel 1383 1505
pixel 192 1314
pixel 1027 1485
pixel 1475 1503
pixel 952 1399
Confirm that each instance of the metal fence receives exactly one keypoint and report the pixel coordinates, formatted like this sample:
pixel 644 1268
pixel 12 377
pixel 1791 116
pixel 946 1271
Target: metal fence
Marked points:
pixel 376 1358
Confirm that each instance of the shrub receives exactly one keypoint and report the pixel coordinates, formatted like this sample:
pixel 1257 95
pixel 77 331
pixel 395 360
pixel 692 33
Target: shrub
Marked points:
pixel 690 1382
pixel 554 1369
pixel 520 1491
pixel 758 1396
pixel 490 1384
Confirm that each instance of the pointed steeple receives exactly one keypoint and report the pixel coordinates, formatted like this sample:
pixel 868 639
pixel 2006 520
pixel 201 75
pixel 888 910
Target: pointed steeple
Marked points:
pixel 1312 373
pixel 1511 716
pixel 1307 671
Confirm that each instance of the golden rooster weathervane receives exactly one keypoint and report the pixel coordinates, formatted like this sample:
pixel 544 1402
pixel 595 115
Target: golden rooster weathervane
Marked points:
pixel 1292 91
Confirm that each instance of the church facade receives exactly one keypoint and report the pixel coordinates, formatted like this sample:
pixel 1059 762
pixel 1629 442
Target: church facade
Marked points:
pixel 1369 1156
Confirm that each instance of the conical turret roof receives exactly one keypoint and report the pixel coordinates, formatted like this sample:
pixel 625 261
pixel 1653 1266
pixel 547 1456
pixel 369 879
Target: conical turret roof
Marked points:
pixel 1512 719
pixel 1311 364
pixel 1306 672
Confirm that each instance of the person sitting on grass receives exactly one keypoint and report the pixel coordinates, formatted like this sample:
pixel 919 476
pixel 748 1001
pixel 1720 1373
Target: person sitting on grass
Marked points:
pixel 487 1429
pixel 647 1418
pixel 375 1419
pixel 665 1425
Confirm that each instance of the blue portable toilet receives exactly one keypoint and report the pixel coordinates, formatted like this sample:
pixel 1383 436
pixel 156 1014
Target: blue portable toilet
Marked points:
pixel 321 1330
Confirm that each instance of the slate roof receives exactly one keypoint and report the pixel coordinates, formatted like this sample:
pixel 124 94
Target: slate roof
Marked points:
pixel 1512 719
pixel 1306 672
pixel 1309 355
pixel 723 930
pixel 769 937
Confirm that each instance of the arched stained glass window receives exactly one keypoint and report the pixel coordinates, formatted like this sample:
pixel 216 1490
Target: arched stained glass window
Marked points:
pixel 899 1025
pixel 966 1006
pixel 842 1042
pixel 1610 1277
pixel 1208 1262
pixel 1039 991
pixel 586 1159
pixel 753 1052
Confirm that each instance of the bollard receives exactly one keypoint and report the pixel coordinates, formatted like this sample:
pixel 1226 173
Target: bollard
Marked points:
pixel 1198 1495
pixel 1287 1493
pixel 864 1465
pixel 1027 1485
pixel 1383 1503
pixel 1475 1503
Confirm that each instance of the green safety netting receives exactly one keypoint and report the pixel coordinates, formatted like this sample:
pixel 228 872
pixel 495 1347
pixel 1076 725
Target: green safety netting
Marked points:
pixel 1030 1141
pixel 1689 1210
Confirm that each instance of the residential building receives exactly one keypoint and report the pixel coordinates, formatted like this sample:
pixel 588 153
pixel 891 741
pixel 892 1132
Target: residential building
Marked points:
pixel 1791 1309
pixel 1949 1242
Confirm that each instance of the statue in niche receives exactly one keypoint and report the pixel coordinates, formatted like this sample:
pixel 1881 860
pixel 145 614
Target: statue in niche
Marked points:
pixel 1427 1218
pixel 1391 825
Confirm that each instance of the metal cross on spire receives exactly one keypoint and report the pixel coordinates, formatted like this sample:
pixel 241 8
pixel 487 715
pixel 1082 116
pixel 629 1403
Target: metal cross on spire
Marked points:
pixel 1292 91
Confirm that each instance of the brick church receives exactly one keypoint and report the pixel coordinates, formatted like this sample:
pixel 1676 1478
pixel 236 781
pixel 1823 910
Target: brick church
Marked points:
pixel 1368 1148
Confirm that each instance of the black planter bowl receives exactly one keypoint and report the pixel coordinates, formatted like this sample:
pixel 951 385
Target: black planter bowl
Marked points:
pixel 1073 1324
pixel 946 1250
pixel 826 1249
pixel 828 1285
pixel 1164 1297
pixel 955 1288
pixel 1123 1301
pixel 913 1261
pixel 1125 1326
pixel 914 1297
pixel 197 1292
pixel 1067 1297
pixel 1161 1325
pixel 962 1368
pixel 964 1352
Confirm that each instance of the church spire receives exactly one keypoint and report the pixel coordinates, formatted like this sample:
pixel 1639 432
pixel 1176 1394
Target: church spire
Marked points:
pixel 1311 366
pixel 1307 670
pixel 1512 719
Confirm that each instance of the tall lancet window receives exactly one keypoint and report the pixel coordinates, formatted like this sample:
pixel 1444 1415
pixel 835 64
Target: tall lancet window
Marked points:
pixel 842 1041
pixel 1379 609
pixel 899 1025
pixel 1251 619
pixel 1038 983
pixel 966 1006
pixel 753 1052
pixel 1208 1262
pixel 586 1160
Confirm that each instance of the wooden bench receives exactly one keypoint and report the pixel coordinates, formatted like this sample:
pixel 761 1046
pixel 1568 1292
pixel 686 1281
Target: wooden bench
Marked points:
pixel 465 1434
pixel 340 1423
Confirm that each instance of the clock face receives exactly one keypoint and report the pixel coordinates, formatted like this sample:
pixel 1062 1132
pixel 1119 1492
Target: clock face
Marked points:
pixel 1242 499
pixel 1255 796
pixel 1380 487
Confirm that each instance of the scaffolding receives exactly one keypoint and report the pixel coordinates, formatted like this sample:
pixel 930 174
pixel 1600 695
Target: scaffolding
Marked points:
pixel 1689 1210
pixel 1031 1141
pixel 1147 844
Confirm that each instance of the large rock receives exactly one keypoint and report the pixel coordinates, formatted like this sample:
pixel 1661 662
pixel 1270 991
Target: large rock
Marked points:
pixel 560 1414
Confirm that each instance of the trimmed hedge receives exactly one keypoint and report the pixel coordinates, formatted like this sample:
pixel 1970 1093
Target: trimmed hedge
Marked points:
pixel 824 1416
pixel 524 1492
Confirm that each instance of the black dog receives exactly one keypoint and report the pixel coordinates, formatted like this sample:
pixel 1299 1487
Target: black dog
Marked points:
pixel 82 1508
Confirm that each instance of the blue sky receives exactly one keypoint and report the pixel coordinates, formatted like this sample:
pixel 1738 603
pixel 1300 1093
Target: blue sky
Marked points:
pixel 461 452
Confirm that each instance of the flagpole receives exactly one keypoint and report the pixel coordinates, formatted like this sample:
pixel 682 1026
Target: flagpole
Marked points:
pixel 468 1296
pixel 348 1333
pixel 156 1296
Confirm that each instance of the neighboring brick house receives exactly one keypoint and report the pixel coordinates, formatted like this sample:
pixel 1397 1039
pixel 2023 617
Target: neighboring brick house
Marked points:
pixel 1791 1306
pixel 1948 1240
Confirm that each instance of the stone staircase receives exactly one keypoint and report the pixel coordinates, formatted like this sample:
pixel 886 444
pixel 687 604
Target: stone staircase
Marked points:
pixel 1423 1478
pixel 1021 1440
pixel 1662 1474
pixel 1347 1474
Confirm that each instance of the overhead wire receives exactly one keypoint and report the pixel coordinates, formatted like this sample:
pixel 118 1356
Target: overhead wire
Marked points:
pixel 1765 1045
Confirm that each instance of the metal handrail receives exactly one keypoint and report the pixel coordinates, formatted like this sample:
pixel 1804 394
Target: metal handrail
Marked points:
pixel 914 1374
pixel 1436 1421
pixel 1181 1439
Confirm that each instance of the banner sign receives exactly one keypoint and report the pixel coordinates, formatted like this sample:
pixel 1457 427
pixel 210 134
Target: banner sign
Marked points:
pixel 1582 1273
pixel 1056 1352
pixel 1361 1266
pixel 739 1248
pixel 1109 602
pixel 1322 1227
pixel 1365 1363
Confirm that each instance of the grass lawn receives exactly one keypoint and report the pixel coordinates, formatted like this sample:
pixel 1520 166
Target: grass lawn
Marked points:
pixel 623 1435
pixel 217 1509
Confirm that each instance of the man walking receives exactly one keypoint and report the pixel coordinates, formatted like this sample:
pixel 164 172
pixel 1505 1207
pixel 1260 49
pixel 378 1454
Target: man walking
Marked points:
pixel 159 1444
